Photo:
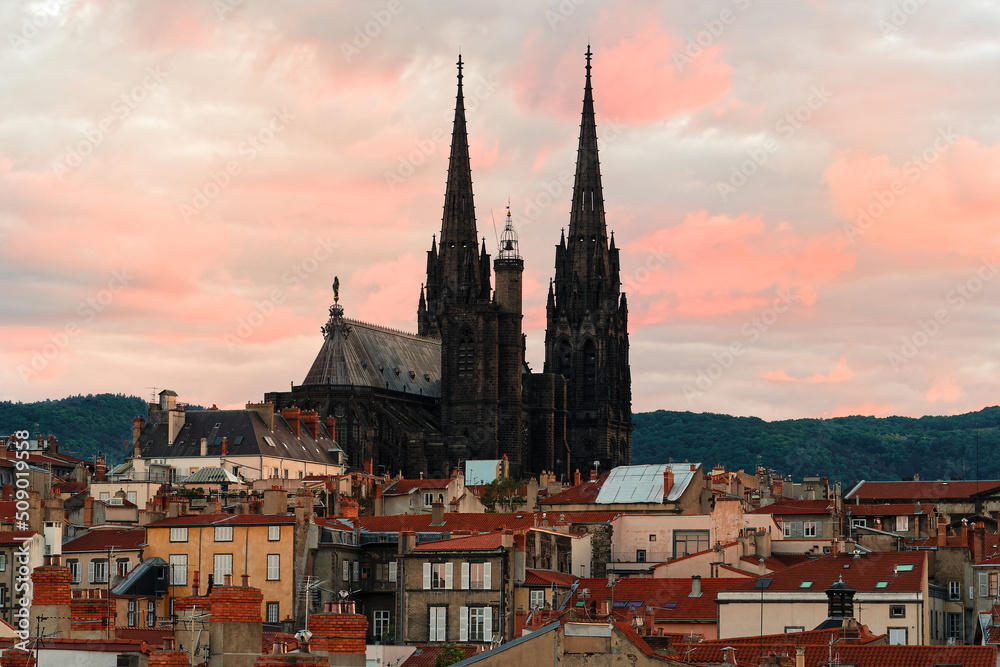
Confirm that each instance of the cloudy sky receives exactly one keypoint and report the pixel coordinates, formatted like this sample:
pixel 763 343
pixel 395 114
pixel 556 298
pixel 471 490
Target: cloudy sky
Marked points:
pixel 805 193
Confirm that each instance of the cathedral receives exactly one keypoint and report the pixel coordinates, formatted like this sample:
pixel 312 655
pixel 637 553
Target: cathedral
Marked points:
pixel 460 389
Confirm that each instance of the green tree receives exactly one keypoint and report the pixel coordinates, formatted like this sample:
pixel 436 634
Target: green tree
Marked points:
pixel 503 494
pixel 449 655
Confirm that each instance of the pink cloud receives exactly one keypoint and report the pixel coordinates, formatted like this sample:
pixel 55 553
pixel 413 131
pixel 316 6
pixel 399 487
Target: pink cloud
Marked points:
pixel 943 198
pixel 639 77
pixel 840 373
pixel 714 265
pixel 945 390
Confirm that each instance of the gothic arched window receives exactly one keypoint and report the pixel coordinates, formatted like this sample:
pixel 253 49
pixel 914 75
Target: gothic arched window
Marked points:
pixel 589 372
pixel 466 353
pixel 564 352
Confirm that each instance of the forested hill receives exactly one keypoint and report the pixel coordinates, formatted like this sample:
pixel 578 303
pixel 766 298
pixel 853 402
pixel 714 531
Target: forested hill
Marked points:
pixel 84 425
pixel 843 448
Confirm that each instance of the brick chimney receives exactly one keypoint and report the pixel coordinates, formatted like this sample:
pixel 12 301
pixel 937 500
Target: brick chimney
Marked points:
pixel 576 477
pixel 51 598
pixel 310 419
pixel 88 511
pixel 437 513
pixel 101 469
pixel 668 481
pixel 349 507
pixel 138 423
pixel 338 633
pixel 978 542
pixel 331 426
pixel 168 656
pixel 225 445
pixel 234 615
pixel 291 416
pixel 369 466
pixel 593 475
pixel 942 536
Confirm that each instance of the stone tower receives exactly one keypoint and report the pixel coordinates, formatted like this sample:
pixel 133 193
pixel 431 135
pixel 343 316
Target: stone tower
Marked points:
pixel 586 335
pixel 456 307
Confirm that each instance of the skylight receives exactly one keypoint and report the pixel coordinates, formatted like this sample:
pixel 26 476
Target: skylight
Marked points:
pixel 882 584
pixel 806 584
pixel 905 567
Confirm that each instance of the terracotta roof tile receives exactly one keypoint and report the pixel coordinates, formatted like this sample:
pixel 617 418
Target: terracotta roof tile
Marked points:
pixel 670 598
pixel 585 492
pixel 11 537
pixel 546 577
pixel 890 509
pixel 425 656
pixel 863 574
pixel 224 519
pixel 122 539
pixel 922 490
pixel 473 543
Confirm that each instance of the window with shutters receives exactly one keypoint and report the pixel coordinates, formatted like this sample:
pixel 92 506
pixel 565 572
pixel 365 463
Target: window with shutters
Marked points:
pixel 993 585
pixel 439 575
pixel 74 570
pixel 357 570
pixel 479 576
pixel 273 533
pixel 222 565
pixel 984 583
pixel 178 569
pixel 809 529
pixel 347 570
pixel 438 620
pixel 132 616
pixel 475 624
pixel 179 534
pixel 392 571
pixel 122 567
pixel 99 571
pixel 273 567
pixel 223 533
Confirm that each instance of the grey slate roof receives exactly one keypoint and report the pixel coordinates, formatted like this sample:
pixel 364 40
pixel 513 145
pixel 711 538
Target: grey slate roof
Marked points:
pixel 248 436
pixel 366 355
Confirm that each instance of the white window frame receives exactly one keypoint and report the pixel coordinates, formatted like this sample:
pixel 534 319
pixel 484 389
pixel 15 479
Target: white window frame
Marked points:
pixel 894 636
pixel 428 499
pixel 477 576
pixel 223 533
pixel 786 528
pixel 475 624
pixel 276 607
pixel 809 529
pixel 859 523
pixel 98 571
pixel 178 569
pixel 150 613
pixel 74 570
pixel 438 624
pixel 132 617
pixel 536 598
pixel 438 576
pixel 790 629
pixel 954 590
pixel 273 533
pixel 273 567
pixel 131 497
pixel 902 524
pixel 392 571
pixel 380 623
pixel 178 534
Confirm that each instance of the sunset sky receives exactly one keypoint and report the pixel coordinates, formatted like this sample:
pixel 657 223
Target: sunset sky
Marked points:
pixel 806 194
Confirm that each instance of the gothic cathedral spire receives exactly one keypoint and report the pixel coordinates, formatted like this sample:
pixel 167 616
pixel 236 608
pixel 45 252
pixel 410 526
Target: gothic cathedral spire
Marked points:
pixel 453 266
pixel 586 337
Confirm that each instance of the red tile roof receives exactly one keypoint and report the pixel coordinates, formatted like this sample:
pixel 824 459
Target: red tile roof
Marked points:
pixel 922 490
pixel 585 492
pixel 485 542
pixel 69 487
pixel 401 487
pixel 425 656
pixel 795 506
pixel 8 510
pixel 884 655
pixel 774 563
pixel 546 577
pixel 12 537
pixel 99 539
pixel 670 598
pixel 223 519
pixel 861 574
pixel 890 509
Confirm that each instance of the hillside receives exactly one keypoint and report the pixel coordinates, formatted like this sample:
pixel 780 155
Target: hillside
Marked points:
pixel 84 425
pixel 844 448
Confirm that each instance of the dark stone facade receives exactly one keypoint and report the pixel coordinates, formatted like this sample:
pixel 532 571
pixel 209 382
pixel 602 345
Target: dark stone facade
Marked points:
pixel 460 389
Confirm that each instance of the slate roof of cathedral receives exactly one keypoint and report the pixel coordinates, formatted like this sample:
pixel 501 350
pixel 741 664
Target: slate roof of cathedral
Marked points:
pixel 372 356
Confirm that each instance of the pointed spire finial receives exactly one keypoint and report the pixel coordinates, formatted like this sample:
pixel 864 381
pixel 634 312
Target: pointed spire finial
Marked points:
pixel 460 67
